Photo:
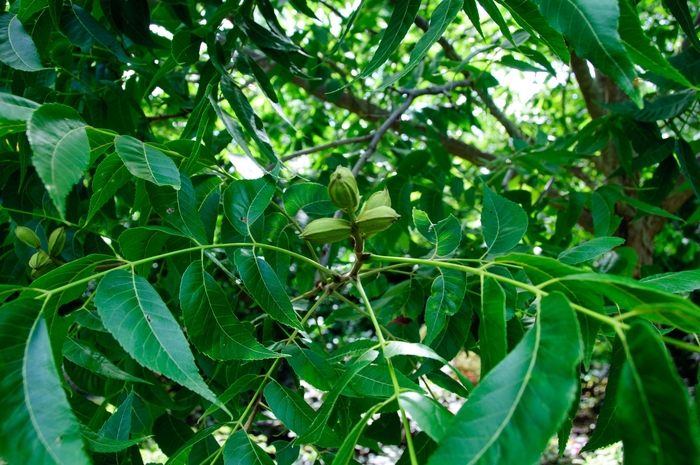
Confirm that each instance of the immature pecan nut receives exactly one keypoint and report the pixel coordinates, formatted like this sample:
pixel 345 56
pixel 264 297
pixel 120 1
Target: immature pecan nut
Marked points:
pixel 371 222
pixel 327 230
pixel 343 191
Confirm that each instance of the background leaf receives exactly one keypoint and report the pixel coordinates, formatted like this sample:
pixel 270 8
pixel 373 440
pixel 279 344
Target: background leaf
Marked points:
pixel 589 250
pixel 240 450
pixel 443 15
pixel 402 17
pixel 680 10
pixel 591 27
pixel 17 48
pixel 179 208
pixel 110 175
pixel 83 354
pixel 211 323
pixel 311 197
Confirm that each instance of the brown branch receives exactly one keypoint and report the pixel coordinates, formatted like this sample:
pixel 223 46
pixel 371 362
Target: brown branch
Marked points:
pixel 156 118
pixel 411 95
pixel 372 113
pixel 589 87
pixel 330 145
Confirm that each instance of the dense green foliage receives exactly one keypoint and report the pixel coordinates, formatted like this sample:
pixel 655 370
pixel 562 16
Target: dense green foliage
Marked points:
pixel 518 180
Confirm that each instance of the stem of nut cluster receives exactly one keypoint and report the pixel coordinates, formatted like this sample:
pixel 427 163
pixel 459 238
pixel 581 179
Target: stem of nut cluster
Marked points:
pixel 392 373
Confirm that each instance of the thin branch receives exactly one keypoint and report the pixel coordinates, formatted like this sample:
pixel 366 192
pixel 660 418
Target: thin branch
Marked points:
pixel 330 145
pixel 496 112
pixel 181 113
pixel 379 133
pixel 452 54
pixel 411 95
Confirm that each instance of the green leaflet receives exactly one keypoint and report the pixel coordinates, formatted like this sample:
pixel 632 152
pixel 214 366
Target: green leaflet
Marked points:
pixel 589 250
pixel 653 413
pixel 680 10
pixel 14 113
pixel 171 433
pixel 543 269
pixel 179 208
pixel 445 235
pixel 606 431
pixel 132 18
pixel 402 17
pixel 375 381
pixel 118 425
pixel 98 443
pixel 143 242
pixel 211 324
pixel 504 222
pixel 278 232
pixel 689 164
pixel 494 13
pixel 681 281
pixel 661 108
pixel 248 119
pixel 137 317
pixel 317 428
pixel 640 48
pixel 85 355
pixel 17 49
pixel 446 295
pixel 247 65
pixel 146 162
pixel 110 175
pixel 28 7
pixel 653 304
pixel 265 287
pixel 264 38
pixel 492 329
pixel 395 348
pixel 233 128
pixel 180 457
pixel 82 30
pixel 544 365
pixel 61 150
pixel 430 415
pixel 311 367
pixel 60 277
pixel 246 200
pixel 36 422
pixel 443 15
pixel 308 196
pixel 591 27
pixel 291 409
pixel 346 450
pixel 241 450
pixel 185 48
pixel 526 14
